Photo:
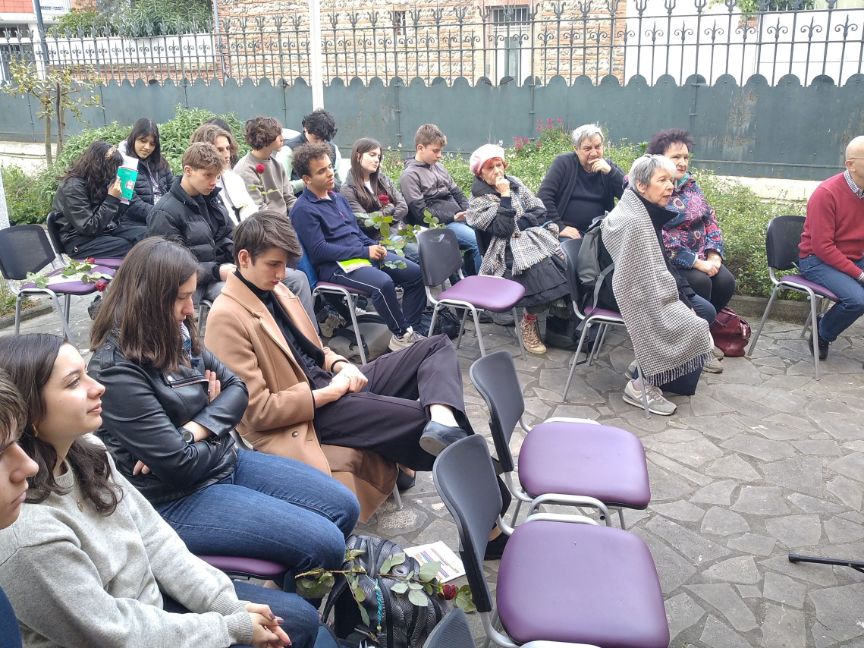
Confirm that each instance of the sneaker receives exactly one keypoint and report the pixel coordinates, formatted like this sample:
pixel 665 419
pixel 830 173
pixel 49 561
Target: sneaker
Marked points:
pixel 823 346
pixel 530 329
pixel 437 436
pixel 718 352
pixel 713 366
pixel 399 342
pixel 657 404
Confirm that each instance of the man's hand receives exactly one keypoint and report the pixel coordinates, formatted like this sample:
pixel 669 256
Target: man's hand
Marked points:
pixel 377 252
pixel 459 216
pixel 569 232
pixel 226 269
pixel 338 387
pixel 600 166
pixel 356 379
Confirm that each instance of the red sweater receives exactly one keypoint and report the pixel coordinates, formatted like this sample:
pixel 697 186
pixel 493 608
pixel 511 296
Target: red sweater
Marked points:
pixel 834 228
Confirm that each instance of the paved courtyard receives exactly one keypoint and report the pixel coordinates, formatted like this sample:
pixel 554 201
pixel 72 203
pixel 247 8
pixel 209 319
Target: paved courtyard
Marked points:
pixel 762 460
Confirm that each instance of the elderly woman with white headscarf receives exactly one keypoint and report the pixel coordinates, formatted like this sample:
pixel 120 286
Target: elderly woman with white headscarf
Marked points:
pixel 670 340
pixel 580 186
pixel 509 222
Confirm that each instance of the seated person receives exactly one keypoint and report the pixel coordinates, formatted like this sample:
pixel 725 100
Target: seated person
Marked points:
pixel 427 185
pixel 239 204
pixel 90 216
pixel 508 219
pixel 89 562
pixel 154 175
pixel 266 179
pixel 671 342
pixel 832 244
pixel 330 234
pixel 580 186
pixel 693 239
pixel 168 411
pixel 319 127
pixel 15 469
pixel 405 406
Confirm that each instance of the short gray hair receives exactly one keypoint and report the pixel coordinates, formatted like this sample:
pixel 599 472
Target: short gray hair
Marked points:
pixel 585 131
pixel 644 167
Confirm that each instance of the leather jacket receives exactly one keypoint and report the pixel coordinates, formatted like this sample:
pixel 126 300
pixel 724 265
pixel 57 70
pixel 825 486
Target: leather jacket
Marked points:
pixel 143 410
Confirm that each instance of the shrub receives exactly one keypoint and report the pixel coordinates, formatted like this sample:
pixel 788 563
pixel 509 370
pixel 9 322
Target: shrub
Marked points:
pixel 28 198
pixel 175 133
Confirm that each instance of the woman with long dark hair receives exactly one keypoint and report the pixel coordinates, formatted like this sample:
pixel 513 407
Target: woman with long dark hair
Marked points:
pixel 154 175
pixel 89 560
pixel 367 188
pixel 91 217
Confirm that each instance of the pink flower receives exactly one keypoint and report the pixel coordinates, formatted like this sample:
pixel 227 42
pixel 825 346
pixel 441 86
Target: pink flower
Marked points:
pixel 101 285
pixel 90 260
pixel 259 168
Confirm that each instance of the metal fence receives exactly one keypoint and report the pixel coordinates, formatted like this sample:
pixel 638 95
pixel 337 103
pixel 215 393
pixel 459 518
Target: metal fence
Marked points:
pixel 513 43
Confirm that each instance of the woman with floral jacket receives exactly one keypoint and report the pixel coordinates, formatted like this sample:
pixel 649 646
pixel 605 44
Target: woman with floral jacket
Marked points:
pixel 693 239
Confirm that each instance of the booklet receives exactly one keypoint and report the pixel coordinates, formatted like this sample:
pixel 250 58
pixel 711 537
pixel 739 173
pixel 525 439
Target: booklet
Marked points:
pixel 451 565
pixel 350 265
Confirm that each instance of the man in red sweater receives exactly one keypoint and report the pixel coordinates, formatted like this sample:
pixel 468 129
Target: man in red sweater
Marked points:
pixel 832 244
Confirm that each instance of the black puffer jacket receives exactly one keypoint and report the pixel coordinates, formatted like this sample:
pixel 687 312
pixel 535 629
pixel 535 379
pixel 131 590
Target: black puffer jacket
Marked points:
pixel 79 215
pixel 200 223
pixel 143 409
pixel 153 182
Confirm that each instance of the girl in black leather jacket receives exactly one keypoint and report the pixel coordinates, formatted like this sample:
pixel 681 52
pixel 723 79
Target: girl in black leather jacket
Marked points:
pixel 168 412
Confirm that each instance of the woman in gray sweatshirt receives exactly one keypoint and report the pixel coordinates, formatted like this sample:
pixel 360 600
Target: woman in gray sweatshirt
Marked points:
pixel 89 559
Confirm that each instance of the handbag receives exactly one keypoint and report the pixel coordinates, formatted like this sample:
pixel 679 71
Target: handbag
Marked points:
pixel 731 332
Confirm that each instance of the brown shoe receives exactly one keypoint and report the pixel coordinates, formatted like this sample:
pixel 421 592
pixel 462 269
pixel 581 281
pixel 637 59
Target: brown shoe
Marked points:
pixel 530 330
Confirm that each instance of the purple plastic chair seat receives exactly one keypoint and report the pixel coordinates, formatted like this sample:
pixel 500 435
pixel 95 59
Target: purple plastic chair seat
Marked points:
pixel 489 293
pixel 328 285
pixel 580 583
pixel 819 289
pixel 71 287
pixel 264 569
pixel 607 463
pixel 111 264
pixel 603 312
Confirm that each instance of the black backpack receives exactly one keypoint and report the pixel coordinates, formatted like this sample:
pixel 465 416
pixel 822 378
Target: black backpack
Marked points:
pixel 402 624
pixel 595 269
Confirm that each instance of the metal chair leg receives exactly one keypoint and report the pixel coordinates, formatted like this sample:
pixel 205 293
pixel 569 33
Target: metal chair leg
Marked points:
pixel 66 330
pixel 575 360
pixel 359 338
pixel 17 314
pixel 644 391
pixel 461 327
pixel 762 322
pixel 518 337
pixel 397 497
pixel 476 318
pixel 815 336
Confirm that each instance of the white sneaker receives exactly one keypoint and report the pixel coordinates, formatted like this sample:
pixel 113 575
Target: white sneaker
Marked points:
pixel 713 365
pixel 718 352
pixel 657 404
pixel 399 342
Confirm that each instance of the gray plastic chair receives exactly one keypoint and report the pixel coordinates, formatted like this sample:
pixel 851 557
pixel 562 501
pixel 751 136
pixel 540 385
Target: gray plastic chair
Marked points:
pixel 562 578
pixel 781 248
pixel 451 632
pixel 440 258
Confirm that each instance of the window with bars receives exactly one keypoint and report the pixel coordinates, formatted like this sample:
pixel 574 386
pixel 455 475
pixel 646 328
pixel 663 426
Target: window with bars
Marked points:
pixel 511 14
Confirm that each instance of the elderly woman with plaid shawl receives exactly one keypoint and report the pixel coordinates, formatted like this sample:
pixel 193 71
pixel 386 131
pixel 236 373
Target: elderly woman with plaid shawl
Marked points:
pixel 670 340
pixel 515 239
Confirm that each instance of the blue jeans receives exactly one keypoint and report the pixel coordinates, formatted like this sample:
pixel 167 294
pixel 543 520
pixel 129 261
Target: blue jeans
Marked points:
pixel 467 243
pixel 380 284
pixel 703 308
pixel 271 508
pixel 850 293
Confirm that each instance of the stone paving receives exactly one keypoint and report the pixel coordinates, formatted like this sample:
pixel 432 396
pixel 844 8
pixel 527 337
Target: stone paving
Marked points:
pixel 762 460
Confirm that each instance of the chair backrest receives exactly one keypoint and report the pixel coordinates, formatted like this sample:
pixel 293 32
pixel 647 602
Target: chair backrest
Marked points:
pixel 54 231
pixel 452 631
pixel 495 378
pixel 23 249
pixel 571 249
pixel 781 241
pixel 439 255
pixel 465 479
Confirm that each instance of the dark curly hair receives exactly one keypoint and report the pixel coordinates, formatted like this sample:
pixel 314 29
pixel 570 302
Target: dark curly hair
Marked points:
pixel 147 128
pixel 666 138
pixel 321 124
pixel 304 154
pixel 261 131
pixel 29 360
pixel 97 167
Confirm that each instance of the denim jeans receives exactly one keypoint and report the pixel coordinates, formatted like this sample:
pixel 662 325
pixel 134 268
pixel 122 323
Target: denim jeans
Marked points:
pixel 850 293
pixel 467 243
pixel 703 308
pixel 271 508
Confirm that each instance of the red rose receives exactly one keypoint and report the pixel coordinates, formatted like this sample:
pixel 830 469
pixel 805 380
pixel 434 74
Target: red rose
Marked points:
pixel 90 260
pixel 384 199
pixel 259 168
pixel 449 591
pixel 101 285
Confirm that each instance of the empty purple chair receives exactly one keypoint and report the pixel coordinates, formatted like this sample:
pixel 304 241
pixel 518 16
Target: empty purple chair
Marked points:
pixel 440 259
pixel 562 578
pixel 560 457
pixel 781 248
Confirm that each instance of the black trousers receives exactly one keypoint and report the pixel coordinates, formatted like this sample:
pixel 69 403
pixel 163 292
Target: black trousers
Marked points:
pixel 717 289
pixel 389 415
pixel 112 245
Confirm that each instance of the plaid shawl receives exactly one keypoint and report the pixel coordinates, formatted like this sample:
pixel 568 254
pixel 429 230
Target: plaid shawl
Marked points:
pixel 529 247
pixel 669 339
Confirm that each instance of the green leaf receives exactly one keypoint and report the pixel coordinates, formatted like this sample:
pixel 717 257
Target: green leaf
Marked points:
pixel 464 600
pixel 414 587
pixel 429 570
pixel 418 598
pixel 391 562
pixel 399 588
pixel 359 594
pixel 365 616
pixel 353 554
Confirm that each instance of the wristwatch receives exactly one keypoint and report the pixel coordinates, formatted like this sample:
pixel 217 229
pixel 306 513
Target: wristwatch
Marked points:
pixel 187 435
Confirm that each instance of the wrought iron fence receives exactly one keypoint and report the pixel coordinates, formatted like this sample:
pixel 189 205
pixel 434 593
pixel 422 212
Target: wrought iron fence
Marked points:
pixel 512 43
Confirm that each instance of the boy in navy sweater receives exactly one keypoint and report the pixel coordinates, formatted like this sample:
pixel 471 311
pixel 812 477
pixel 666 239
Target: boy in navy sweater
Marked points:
pixel 343 254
